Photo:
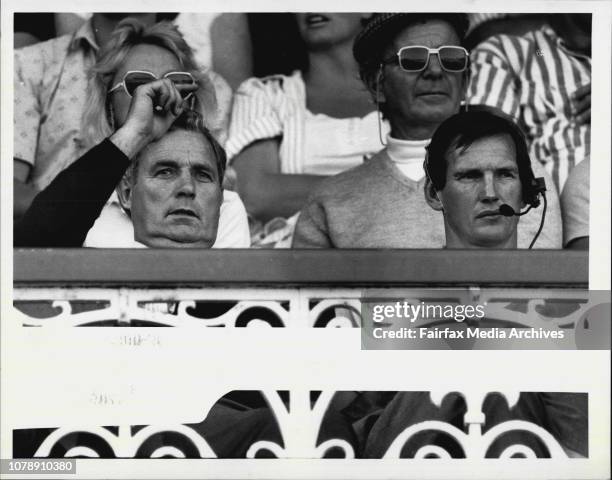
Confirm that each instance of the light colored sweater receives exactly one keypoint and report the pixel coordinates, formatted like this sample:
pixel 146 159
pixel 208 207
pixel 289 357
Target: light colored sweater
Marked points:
pixel 376 206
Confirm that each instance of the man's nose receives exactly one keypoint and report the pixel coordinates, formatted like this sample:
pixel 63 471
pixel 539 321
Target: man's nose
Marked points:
pixel 489 188
pixel 433 66
pixel 186 184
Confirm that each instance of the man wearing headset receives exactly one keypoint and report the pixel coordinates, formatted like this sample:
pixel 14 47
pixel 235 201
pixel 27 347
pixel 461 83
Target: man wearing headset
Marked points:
pixel 417 72
pixel 479 176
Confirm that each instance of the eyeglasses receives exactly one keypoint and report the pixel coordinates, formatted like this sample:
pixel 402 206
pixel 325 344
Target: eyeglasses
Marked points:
pixel 416 58
pixel 134 78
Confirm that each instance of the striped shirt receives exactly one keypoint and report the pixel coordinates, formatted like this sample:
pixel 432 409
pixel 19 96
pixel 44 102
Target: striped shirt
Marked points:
pixel 532 78
pixel 267 108
pixel 311 143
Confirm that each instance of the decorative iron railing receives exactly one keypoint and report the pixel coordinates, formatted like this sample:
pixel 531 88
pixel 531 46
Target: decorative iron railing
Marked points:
pixel 296 291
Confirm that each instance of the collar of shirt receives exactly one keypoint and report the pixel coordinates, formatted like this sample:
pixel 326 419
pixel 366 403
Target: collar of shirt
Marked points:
pixel 408 156
pixel 84 36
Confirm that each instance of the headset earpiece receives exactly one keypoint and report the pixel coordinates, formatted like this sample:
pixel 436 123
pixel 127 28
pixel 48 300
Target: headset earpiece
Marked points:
pixel 537 188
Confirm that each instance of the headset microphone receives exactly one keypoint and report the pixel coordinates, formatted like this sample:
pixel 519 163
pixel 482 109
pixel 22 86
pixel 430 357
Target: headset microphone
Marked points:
pixel 538 187
pixel 507 211
pixel 533 189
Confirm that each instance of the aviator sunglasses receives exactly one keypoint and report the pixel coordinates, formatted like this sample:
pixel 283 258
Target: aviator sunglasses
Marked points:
pixel 134 78
pixel 416 58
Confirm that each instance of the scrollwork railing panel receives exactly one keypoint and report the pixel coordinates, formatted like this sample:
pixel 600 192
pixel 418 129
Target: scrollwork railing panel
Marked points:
pixel 289 308
pixel 300 421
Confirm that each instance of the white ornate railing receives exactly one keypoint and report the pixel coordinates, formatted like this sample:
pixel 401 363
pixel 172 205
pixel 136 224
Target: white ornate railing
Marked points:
pixel 300 416
pixel 475 444
pixel 295 291
pixel 274 307
pixel 328 291
pixel 291 307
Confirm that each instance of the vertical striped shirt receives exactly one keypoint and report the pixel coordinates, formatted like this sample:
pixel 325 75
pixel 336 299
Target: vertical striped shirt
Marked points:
pixel 310 143
pixel 270 107
pixel 532 78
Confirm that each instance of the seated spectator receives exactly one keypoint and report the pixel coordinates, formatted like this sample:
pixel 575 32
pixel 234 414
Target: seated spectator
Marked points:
pixel 575 207
pixel 543 80
pixel 176 203
pixel 174 198
pixel 136 54
pixel 417 71
pixel 477 162
pixel 51 88
pixel 287 133
pixel 173 190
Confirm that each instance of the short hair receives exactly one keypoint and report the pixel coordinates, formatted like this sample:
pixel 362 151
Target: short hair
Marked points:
pixel 463 129
pixel 189 121
pixel 128 34
pixel 382 28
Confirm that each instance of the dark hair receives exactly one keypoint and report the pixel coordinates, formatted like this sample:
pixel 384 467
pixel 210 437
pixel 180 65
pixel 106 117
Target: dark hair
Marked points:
pixel 382 28
pixel 463 129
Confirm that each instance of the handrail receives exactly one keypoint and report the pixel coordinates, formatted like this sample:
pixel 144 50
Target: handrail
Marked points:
pixel 280 268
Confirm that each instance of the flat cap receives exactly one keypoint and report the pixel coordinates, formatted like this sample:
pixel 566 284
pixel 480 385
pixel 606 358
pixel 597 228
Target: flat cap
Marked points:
pixel 382 28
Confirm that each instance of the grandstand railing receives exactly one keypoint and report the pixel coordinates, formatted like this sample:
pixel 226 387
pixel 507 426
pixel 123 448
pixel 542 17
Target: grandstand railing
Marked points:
pixel 296 290
pixel 272 268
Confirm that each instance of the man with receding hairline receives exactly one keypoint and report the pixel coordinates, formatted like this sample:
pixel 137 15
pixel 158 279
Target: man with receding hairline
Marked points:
pixel 174 193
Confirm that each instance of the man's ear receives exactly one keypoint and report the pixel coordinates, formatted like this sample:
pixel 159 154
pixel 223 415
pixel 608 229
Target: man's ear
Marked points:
pixel 433 197
pixel 124 192
pixel 374 83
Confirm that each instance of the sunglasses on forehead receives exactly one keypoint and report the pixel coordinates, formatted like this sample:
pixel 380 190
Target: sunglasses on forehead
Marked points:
pixel 416 58
pixel 134 78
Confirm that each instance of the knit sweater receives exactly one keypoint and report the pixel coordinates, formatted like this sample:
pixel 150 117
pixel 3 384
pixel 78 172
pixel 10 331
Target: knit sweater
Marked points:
pixel 376 206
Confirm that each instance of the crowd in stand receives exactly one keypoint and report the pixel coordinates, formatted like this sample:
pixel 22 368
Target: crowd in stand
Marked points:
pixel 358 131
pixel 325 120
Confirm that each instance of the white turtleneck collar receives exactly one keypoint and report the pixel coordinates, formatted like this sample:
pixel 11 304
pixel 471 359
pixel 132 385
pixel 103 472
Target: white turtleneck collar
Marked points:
pixel 408 156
